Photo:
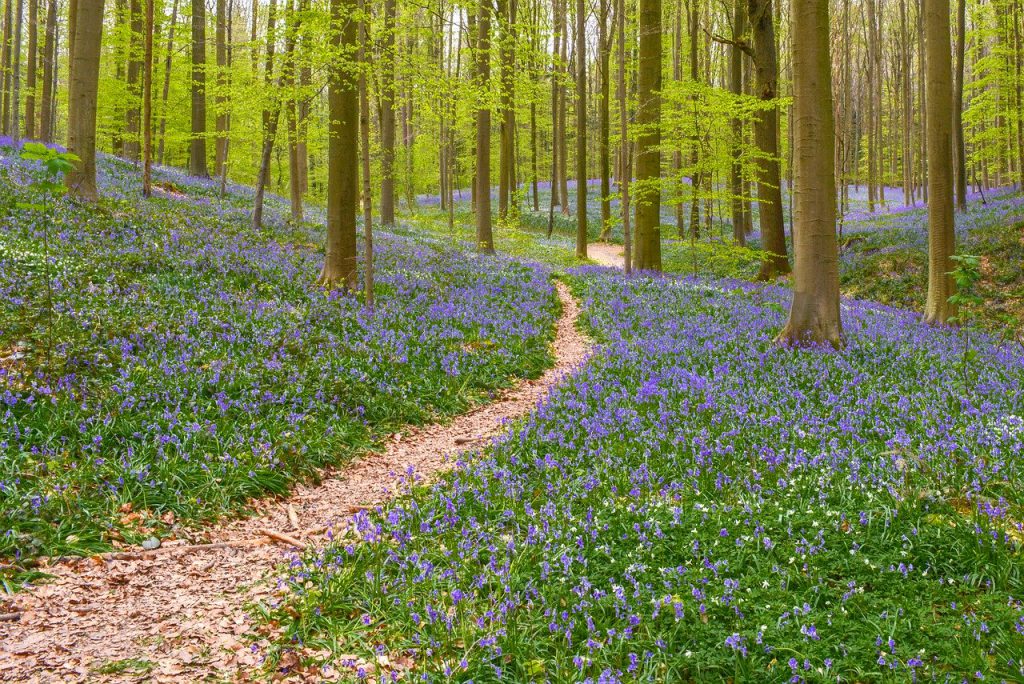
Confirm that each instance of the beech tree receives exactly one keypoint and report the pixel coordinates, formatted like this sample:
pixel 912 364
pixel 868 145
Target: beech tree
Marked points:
pixel 648 154
pixel 342 162
pixel 197 150
pixel 814 312
pixel 941 237
pixel 86 28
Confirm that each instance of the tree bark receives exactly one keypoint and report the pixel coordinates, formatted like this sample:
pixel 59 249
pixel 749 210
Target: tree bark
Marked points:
pixel 220 101
pixel 484 236
pixel 31 84
pixel 197 148
pixel 941 238
pixel 147 102
pixel 959 151
pixel 736 86
pixel 167 83
pixel 49 68
pixel 342 172
pixel 814 312
pixel 82 94
pixel 648 156
pixel 581 130
pixel 364 145
pixel 271 116
pixel 624 173
pixel 387 118
pixel 293 26
pixel 766 137
pixel 133 114
pixel 604 118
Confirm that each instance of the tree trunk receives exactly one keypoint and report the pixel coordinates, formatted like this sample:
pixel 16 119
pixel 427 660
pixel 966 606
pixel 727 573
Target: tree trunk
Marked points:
pixel 648 156
pixel 133 112
pixel 167 83
pixel 624 174
pixel 959 151
pixel 766 137
pixel 220 102
pixel 736 86
pixel 581 130
pixel 46 117
pixel 147 102
pixel 364 145
pixel 271 116
pixel 941 237
pixel 342 172
pixel 16 79
pixel 87 21
pixel 197 149
pixel 293 25
pixel 484 237
pixel 696 180
pixel 506 16
pixel 814 313
pixel 603 147
pixel 33 60
pixel 387 118
pixel 563 96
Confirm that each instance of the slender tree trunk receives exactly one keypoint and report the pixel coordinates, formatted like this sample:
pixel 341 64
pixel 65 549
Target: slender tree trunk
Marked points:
pixel 959 151
pixel 364 145
pixel 908 148
pixel 677 151
pixel 506 16
pixel 293 25
pixel 648 158
pixel 563 97
pixel 220 101
pixel 581 130
pixel 696 178
pixel 16 77
pixel 624 173
pixel 814 313
pixel 197 148
pixel 49 70
pixel 82 94
pixel 555 92
pixel 167 83
pixel 5 64
pixel 31 85
pixel 342 169
pixel 604 115
pixel 387 119
pixel 147 101
pixel 484 237
pixel 271 116
pixel 736 86
pixel 1018 69
pixel 941 238
pixel 766 137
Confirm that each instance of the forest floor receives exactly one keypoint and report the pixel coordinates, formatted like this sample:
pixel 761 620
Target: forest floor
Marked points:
pixel 179 613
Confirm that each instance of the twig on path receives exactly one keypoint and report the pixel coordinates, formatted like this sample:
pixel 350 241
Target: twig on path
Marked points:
pixel 10 617
pixel 293 517
pixel 283 538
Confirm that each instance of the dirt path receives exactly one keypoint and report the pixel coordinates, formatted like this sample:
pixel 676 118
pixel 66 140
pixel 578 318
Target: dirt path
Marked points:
pixel 177 614
pixel 605 254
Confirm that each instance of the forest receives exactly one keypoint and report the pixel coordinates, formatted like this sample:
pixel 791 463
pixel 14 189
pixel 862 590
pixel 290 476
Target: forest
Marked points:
pixel 567 341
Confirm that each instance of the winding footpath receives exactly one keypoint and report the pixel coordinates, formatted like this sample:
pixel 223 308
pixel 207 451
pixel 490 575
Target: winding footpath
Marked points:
pixel 179 614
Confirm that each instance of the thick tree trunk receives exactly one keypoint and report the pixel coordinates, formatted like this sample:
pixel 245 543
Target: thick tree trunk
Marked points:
pixel 82 91
pixel 197 148
pixel 941 237
pixel 814 313
pixel 648 156
pixel 342 169
pixel 766 137
pixel 133 112
pixel 387 117
pixel 484 236
pixel 581 130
